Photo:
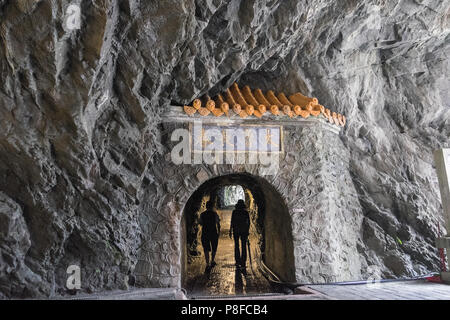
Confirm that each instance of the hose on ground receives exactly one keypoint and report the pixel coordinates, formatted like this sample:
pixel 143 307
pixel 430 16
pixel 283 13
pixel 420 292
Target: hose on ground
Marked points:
pixel 273 278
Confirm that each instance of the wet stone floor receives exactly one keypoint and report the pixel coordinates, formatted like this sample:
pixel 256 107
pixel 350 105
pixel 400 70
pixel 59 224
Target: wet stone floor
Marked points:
pixel 225 278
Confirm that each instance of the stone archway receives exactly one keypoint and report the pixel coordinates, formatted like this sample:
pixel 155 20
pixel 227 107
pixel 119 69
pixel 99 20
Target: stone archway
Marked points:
pixel 313 180
pixel 272 220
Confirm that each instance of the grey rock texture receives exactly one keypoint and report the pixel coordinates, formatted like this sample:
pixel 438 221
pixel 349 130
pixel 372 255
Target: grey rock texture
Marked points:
pixel 79 113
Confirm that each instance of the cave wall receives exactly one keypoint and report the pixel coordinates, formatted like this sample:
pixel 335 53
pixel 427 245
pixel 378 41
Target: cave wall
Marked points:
pixel 312 216
pixel 79 114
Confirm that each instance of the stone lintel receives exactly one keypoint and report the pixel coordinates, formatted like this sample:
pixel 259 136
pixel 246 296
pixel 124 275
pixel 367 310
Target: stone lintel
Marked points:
pixel 176 114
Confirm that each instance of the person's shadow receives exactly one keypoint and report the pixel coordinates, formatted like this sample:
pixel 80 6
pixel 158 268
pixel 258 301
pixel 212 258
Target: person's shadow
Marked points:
pixel 238 283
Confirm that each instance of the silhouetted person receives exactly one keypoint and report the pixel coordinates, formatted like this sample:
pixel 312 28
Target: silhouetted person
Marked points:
pixel 210 222
pixel 240 224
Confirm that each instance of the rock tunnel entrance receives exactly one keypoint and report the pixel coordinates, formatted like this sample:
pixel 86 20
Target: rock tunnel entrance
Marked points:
pixel 270 237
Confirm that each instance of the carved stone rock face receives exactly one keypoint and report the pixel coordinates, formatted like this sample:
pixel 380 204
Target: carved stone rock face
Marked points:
pixel 81 141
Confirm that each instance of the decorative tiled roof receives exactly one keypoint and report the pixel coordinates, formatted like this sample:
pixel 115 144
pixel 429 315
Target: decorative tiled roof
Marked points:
pixel 247 103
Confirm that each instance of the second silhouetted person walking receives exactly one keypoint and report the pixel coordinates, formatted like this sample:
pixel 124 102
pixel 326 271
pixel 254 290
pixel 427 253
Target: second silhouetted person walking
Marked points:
pixel 240 225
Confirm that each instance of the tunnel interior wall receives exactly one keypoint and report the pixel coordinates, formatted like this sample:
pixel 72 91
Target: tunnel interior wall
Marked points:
pixel 279 251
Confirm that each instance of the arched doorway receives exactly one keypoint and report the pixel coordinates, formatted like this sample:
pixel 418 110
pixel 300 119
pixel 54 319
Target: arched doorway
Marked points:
pixel 270 236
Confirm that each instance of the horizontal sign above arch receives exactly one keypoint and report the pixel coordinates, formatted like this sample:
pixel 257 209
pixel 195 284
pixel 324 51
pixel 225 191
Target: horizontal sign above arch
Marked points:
pixel 242 138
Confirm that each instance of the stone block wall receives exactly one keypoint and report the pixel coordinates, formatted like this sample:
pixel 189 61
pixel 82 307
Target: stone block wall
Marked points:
pixel 327 231
pixel 313 180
